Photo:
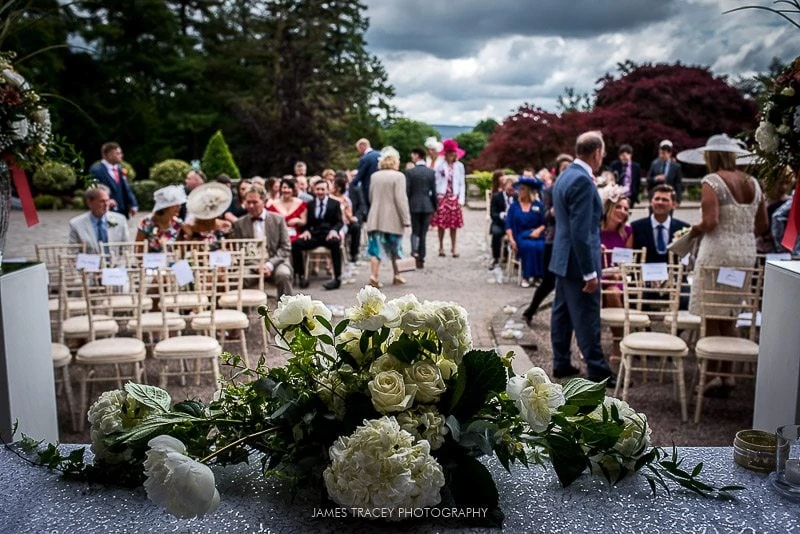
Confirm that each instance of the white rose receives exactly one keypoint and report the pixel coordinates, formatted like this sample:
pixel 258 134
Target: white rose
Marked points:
pixel 332 391
pixel 42 116
pixel 373 312
pixel 783 129
pixel 390 393
pixel 632 443
pixel 185 487
pixel 532 377
pixel 537 398
pixel 428 379
pixel 767 137
pixel 450 323
pixel 387 362
pixel 447 367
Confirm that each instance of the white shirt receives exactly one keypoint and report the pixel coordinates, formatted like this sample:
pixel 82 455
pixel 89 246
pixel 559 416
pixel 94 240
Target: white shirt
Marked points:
pixel 667 223
pixel 111 169
pixel 317 202
pixel 258 226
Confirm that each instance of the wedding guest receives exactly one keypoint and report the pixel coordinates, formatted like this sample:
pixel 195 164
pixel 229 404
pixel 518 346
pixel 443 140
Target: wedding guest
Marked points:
pixel 525 228
pixel 450 194
pixel 193 179
pixel 498 209
pixel 360 211
pixel 421 192
pixel 110 173
pixel 324 221
pixel 434 149
pixel 656 232
pixel 628 172
pixel 665 170
pixel 205 205
pixel 338 191
pixel 98 224
pixel 389 215
pixel 367 164
pixel 163 225
pixel 291 208
pixel 498 181
pixel 238 209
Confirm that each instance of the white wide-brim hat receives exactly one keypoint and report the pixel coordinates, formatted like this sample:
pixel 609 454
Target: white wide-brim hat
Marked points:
pixel 209 201
pixel 718 143
pixel 433 143
pixel 172 195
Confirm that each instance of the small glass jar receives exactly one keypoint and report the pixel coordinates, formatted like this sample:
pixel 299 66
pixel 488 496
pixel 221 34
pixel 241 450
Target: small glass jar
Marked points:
pixel 755 450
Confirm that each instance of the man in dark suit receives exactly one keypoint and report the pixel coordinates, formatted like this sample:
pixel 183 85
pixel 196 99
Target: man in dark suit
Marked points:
pixel 111 174
pixel 665 170
pixel 576 263
pixel 499 204
pixel 360 209
pixel 629 173
pixel 655 232
pixel 421 191
pixel 271 227
pixel 324 222
pixel 367 164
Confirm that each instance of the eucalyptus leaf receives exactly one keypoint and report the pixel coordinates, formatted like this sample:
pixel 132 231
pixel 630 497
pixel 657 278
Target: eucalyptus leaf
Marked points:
pixel 150 396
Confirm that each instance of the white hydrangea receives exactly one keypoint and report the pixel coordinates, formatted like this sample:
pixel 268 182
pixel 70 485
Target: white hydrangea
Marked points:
pixel 332 391
pixel 427 377
pixel 113 411
pixel 424 422
pixel 414 315
pixel 381 466
pixel 631 444
pixel 767 137
pixel 537 398
pixel 373 312
pixel 449 321
pixel 293 310
pixel 185 487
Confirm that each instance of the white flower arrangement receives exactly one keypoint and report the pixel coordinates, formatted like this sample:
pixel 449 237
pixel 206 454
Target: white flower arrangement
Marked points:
pixel 25 129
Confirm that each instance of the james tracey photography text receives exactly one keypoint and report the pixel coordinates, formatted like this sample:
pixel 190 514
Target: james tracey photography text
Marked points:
pixel 401 513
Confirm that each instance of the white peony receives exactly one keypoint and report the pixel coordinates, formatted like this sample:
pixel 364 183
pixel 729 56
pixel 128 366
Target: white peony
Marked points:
pixel 537 398
pixel 767 137
pixel 390 393
pixel 424 422
pixel 185 487
pixel 380 466
pixel 631 444
pixel 294 310
pixel 373 312
pixel 114 411
pixel 427 377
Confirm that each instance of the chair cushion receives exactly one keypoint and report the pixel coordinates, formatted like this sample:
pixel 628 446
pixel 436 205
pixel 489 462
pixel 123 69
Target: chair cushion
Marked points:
pixel 187 300
pixel 61 354
pixel 616 317
pixel 652 343
pixel 127 302
pixel 223 320
pixel 726 348
pixel 78 305
pixel 114 350
pixel 152 322
pixel 188 347
pixel 250 299
pixel 79 326
pixel 686 320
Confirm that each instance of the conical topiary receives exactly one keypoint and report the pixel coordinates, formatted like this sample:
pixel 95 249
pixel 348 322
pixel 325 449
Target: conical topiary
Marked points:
pixel 217 158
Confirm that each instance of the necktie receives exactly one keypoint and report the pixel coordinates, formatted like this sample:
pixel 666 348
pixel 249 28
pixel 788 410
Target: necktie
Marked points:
pixel 661 243
pixel 320 210
pixel 666 168
pixel 116 173
pixel 627 181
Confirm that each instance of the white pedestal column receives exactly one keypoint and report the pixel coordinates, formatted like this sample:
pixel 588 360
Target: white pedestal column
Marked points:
pixel 27 390
pixel 778 378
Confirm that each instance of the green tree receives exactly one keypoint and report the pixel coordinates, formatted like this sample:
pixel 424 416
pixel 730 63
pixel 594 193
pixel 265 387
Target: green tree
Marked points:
pixel 217 158
pixel 472 143
pixel 486 127
pixel 405 134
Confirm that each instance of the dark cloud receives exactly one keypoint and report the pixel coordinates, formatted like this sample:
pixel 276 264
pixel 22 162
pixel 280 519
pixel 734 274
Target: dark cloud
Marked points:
pixel 450 29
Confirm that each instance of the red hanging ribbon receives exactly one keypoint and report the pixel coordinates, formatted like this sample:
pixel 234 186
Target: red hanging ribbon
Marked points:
pixel 24 192
pixel 793 222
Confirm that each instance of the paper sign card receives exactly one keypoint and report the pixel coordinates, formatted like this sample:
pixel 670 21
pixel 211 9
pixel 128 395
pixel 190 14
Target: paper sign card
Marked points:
pixel 654 272
pixel 779 256
pixel 154 260
pixel 621 255
pixel 730 277
pixel 87 262
pixel 220 258
pixel 114 277
pixel 183 272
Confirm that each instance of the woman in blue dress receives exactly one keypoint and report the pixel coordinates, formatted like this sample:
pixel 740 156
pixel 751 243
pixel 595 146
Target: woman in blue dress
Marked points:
pixel 525 229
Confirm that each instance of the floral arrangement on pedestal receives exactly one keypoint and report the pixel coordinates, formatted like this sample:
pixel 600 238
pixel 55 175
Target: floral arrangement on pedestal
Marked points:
pixel 24 123
pixel 390 408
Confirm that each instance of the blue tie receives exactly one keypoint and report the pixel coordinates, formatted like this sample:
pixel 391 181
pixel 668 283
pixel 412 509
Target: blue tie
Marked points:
pixel 661 244
pixel 102 235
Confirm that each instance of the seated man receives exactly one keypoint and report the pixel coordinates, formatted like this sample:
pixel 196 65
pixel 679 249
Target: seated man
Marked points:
pixel 98 224
pixel 498 208
pixel 271 227
pixel 322 230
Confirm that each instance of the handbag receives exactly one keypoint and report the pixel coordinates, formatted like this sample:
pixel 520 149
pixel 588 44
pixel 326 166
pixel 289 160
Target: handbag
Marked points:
pixel 406 264
pixel 686 245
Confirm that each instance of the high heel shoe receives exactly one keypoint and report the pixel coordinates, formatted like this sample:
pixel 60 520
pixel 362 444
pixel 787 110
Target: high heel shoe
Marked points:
pixel 374 282
pixel 398 280
pixel 441 253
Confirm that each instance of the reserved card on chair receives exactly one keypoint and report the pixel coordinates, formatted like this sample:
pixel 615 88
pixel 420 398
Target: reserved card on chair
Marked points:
pixel 154 260
pixel 87 262
pixel 114 277
pixel 730 277
pixel 621 255
pixel 220 258
pixel 183 272
pixel 654 272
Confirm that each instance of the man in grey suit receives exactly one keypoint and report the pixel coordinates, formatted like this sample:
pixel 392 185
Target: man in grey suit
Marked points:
pixel 262 224
pixel 421 191
pixel 98 224
pixel 665 170
pixel 576 263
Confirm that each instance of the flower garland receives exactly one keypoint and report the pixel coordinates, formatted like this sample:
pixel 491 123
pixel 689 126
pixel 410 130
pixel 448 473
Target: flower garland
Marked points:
pixel 385 409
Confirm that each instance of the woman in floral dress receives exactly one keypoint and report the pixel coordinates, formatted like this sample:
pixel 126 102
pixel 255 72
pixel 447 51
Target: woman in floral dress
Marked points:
pixel 450 192
pixel 163 225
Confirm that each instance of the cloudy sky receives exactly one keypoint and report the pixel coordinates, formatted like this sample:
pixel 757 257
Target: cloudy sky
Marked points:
pixel 460 61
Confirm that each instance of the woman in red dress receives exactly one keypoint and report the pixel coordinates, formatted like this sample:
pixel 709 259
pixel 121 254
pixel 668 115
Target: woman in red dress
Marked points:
pixel 450 191
pixel 291 208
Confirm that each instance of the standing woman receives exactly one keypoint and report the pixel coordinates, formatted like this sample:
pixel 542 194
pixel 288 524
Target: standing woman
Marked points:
pixel 548 279
pixel 525 227
pixel 388 214
pixel 450 192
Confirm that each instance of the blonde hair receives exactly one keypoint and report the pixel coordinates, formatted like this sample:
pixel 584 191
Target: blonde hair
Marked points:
pixel 389 158
pixel 716 160
pixel 609 206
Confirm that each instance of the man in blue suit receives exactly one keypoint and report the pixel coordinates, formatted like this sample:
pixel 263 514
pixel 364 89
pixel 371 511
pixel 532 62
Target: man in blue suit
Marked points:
pixel 576 263
pixel 111 174
pixel 367 164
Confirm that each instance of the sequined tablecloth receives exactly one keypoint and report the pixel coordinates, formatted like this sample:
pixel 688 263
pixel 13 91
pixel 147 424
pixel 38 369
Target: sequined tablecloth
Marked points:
pixel 36 500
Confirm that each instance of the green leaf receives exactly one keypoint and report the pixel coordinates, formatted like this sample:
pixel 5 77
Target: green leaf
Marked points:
pixel 148 426
pixel 584 393
pixel 191 407
pixel 341 327
pixel 697 469
pixel 404 349
pixel 472 484
pixel 485 374
pixel 454 426
pixel 150 396
pixel 568 458
pixel 324 322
